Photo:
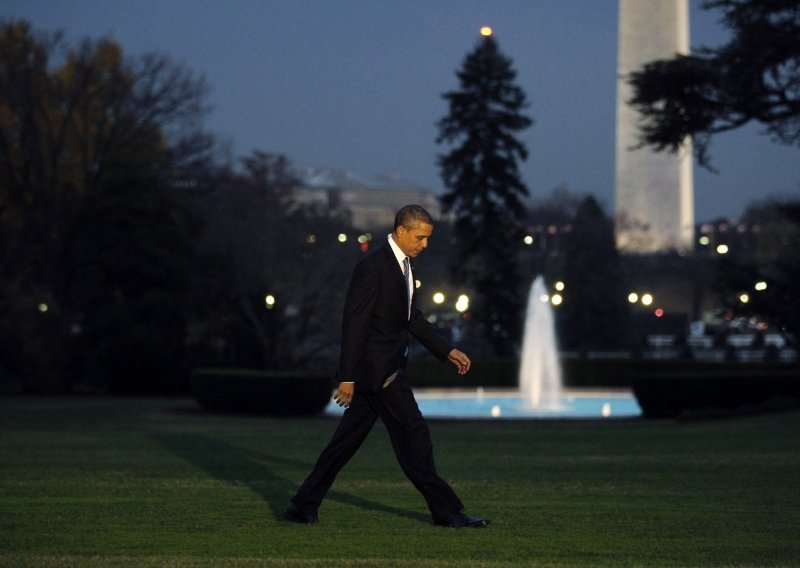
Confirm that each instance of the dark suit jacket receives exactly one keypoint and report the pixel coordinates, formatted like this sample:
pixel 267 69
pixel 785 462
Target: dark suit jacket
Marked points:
pixel 375 324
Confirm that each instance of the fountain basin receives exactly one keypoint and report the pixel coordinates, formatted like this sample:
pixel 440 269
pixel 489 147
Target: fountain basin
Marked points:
pixel 499 404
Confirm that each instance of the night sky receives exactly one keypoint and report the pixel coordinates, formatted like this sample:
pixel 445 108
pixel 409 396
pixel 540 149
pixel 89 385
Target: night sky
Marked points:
pixel 356 85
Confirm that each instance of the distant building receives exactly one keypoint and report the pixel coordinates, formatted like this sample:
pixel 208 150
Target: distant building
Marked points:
pixel 721 236
pixel 366 203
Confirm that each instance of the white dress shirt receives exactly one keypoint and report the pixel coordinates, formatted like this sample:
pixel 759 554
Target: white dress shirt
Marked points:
pixel 401 256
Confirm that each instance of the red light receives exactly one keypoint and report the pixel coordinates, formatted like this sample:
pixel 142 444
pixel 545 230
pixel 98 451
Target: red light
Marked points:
pixel 659 312
pixel 364 246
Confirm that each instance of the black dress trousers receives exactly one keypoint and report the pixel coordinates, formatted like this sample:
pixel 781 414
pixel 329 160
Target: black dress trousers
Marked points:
pixel 411 440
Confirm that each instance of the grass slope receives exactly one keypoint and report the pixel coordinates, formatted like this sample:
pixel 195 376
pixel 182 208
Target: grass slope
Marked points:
pixel 150 482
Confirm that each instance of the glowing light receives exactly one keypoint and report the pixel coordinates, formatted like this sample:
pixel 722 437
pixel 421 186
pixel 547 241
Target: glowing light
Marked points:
pixel 528 240
pixel 647 299
pixel 462 304
pixel 633 297
pixel 496 412
pixel 417 283
pixel 486 31
pixel 544 298
pixel 556 300
pixel 43 308
pixel 606 409
pixel 744 298
pixel 362 238
pixel 270 301
pixel 311 239
pixel 659 312
pixel 704 240
pixel 761 286
pixel 722 249
pixel 438 298
pixel 559 286
pixel 342 238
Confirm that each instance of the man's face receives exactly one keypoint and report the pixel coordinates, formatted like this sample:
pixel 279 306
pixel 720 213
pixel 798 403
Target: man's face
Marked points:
pixel 413 240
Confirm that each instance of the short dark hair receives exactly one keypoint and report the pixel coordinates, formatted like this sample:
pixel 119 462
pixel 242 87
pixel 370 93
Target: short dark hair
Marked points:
pixel 410 215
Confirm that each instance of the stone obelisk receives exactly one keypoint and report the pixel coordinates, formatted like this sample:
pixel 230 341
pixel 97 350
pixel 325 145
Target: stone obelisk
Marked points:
pixel 654 193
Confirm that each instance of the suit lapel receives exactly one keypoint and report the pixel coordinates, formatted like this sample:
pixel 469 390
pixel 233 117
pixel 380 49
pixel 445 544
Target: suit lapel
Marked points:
pixel 397 275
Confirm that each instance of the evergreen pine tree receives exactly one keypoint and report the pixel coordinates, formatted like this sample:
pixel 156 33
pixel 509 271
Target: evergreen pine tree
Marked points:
pixel 595 314
pixel 484 188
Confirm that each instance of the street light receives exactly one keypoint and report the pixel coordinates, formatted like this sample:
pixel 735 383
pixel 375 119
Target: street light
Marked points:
pixel 438 298
pixel 633 297
pixel 269 301
pixel 647 299
pixel 462 304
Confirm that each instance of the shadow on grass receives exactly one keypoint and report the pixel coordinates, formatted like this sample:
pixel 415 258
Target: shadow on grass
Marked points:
pixel 258 471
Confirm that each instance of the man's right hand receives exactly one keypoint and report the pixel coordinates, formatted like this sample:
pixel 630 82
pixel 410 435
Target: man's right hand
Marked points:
pixel 344 394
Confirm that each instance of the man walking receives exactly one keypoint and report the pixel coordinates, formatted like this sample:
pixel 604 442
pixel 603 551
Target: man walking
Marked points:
pixel 379 313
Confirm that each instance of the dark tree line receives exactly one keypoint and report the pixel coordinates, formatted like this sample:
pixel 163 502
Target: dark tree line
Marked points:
pixel 84 148
pixel 266 246
pixel 775 262
pixel 129 252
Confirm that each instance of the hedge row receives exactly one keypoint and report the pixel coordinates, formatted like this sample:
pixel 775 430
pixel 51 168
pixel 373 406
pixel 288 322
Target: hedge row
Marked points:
pixel 277 393
pixel 670 395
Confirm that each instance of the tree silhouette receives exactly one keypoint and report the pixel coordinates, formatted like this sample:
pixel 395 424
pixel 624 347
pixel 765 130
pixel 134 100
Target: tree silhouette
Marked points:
pixel 755 77
pixel 91 128
pixel 259 243
pixel 485 190
pixel 595 313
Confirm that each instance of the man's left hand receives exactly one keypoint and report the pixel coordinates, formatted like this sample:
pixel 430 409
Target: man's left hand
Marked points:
pixel 460 360
pixel 344 394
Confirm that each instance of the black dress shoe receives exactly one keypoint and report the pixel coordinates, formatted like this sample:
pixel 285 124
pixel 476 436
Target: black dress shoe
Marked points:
pixel 476 522
pixel 463 521
pixel 295 515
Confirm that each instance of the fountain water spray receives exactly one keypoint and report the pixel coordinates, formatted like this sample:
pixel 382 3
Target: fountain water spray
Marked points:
pixel 540 371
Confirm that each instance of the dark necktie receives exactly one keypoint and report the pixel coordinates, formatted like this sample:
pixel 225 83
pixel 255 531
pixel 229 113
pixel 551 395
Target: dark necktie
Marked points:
pixel 406 272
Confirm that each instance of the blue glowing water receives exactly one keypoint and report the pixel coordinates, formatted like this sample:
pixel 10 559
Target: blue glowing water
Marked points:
pixel 498 406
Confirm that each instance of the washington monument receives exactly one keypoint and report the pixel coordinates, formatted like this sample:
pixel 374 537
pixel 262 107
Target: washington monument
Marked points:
pixel 654 194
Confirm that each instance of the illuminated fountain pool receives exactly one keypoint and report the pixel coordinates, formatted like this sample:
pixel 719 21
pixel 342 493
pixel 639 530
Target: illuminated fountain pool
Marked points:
pixel 480 404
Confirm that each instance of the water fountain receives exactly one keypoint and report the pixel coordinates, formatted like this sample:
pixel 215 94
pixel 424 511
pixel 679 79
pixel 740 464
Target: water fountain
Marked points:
pixel 539 371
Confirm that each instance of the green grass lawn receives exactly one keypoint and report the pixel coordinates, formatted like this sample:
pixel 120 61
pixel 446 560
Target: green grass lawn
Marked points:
pixel 152 482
